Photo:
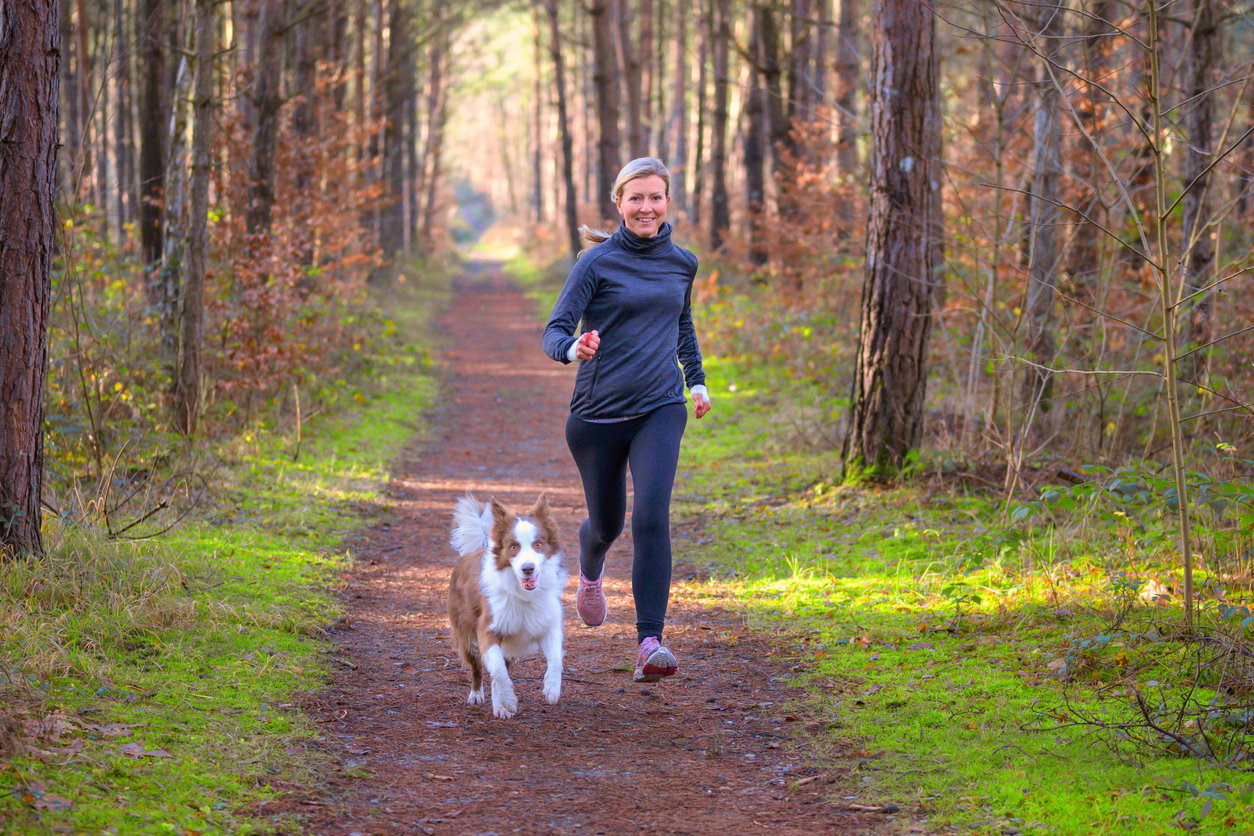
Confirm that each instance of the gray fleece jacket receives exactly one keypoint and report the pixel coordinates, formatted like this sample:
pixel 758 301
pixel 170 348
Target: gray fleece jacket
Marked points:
pixel 637 293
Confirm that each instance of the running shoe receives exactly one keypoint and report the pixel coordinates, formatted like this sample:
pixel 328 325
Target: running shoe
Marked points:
pixel 590 602
pixel 653 661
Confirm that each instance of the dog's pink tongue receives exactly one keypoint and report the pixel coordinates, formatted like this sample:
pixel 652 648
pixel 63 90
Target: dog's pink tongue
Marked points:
pixel 529 583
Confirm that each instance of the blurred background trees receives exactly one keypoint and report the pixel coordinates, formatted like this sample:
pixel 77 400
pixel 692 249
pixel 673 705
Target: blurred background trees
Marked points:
pixel 1087 184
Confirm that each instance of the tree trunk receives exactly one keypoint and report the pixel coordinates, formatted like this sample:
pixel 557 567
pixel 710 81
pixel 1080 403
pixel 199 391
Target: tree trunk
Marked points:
pixel 605 77
pixel 903 246
pixel 85 175
pixel 537 120
pixel 71 81
pixel 568 153
pixel 1202 58
pixel 705 16
pixel 314 36
pixel 399 88
pixel 800 83
pixel 822 46
pixel 756 139
pixel 310 36
pixel 629 60
pixel 267 99
pixel 720 219
pixel 437 105
pixel 679 113
pixel 30 64
pixel 1043 257
pixel 124 162
pixel 648 71
pixel 779 144
pixel 152 128
pixel 187 382
pixel 847 88
pixel 1084 252
pixel 413 169
pixel 168 275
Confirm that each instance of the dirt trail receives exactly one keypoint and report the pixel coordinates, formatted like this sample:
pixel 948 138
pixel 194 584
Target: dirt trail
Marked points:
pixel 707 752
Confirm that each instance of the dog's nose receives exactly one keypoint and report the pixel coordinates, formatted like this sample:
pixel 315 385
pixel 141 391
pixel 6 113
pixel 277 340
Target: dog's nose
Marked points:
pixel 528 569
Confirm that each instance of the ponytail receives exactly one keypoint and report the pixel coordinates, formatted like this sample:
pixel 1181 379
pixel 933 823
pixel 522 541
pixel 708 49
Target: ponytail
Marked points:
pixel 590 237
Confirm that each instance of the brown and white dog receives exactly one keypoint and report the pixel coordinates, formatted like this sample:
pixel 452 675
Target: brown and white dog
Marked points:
pixel 505 598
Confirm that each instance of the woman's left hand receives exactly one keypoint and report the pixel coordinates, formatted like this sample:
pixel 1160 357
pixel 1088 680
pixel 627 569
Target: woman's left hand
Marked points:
pixel 700 405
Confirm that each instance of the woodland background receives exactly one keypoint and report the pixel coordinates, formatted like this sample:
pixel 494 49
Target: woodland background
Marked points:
pixel 330 136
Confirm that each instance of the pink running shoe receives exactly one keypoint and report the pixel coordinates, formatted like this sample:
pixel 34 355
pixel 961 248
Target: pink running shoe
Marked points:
pixel 590 602
pixel 654 661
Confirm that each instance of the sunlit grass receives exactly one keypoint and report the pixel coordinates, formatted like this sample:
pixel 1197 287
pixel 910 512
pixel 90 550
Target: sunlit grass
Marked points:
pixel 942 641
pixel 154 683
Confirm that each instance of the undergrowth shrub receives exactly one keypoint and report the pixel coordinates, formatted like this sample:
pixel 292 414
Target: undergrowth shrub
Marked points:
pixel 87 599
pixel 289 315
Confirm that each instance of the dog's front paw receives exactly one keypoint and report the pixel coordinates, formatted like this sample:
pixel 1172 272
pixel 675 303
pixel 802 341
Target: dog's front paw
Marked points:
pixel 475 697
pixel 553 691
pixel 504 703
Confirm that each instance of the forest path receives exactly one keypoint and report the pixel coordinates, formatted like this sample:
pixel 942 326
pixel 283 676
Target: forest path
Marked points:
pixel 709 751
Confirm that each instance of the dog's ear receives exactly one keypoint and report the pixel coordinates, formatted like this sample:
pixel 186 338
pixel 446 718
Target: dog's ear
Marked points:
pixel 499 514
pixel 543 515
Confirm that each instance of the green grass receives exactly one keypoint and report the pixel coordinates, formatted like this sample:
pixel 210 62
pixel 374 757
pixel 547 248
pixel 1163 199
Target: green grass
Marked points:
pixel 942 640
pixel 154 683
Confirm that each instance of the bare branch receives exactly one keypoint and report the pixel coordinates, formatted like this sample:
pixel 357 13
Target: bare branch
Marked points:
pixel 1094 372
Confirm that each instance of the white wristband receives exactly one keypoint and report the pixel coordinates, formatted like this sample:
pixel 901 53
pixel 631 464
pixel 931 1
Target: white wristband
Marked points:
pixel 700 389
pixel 570 352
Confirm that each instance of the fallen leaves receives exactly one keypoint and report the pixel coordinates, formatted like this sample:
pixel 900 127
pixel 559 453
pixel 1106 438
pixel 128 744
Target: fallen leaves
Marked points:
pixel 37 796
pixel 136 749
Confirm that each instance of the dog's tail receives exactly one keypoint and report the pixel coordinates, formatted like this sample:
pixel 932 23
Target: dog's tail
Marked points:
pixel 472 525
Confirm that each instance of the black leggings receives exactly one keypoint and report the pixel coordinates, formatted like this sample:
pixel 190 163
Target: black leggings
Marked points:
pixel 649 444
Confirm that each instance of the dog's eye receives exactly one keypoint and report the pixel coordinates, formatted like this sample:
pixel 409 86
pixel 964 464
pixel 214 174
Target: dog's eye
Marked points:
pixel 513 547
pixel 538 545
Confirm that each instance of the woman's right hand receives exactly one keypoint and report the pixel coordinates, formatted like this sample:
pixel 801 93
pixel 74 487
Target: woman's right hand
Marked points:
pixel 587 344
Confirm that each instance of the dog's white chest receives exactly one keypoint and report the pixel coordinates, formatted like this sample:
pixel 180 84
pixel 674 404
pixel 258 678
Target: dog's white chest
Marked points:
pixel 521 624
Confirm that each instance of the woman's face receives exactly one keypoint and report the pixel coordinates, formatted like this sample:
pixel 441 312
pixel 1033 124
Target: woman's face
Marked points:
pixel 643 205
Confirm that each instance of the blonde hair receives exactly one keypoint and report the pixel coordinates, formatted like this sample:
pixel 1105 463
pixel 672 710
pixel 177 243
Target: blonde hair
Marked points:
pixel 634 170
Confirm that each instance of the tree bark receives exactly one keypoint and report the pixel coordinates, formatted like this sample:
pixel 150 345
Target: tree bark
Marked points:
pixel 800 63
pixel 437 105
pixel 124 162
pixel 267 99
pixel 399 89
pixel 563 121
pixel 168 274
pixel 71 81
pixel 847 88
pixel 152 128
pixel 720 218
pixel 537 120
pixel 648 72
pixel 1084 252
pixel 604 78
pixel 705 11
pixel 903 242
pixel 1043 256
pixel 822 46
pixel 30 63
pixel 1202 58
pixel 187 381
pixel 630 62
pixel 756 138
pixel 86 179
pixel 678 162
